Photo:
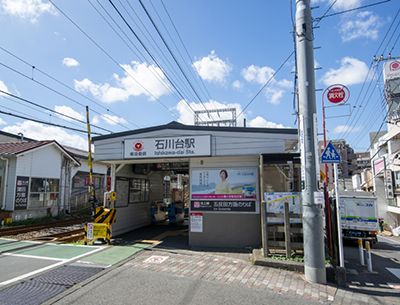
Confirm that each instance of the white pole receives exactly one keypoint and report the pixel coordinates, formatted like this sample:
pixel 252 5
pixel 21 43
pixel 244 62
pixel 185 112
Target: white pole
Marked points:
pixel 339 221
pixel 361 251
pixel 369 260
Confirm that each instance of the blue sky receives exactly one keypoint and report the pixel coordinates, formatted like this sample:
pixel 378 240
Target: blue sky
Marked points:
pixel 64 56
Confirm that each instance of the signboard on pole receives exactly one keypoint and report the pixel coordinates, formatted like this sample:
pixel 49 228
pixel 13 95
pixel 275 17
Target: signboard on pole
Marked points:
pixel 330 155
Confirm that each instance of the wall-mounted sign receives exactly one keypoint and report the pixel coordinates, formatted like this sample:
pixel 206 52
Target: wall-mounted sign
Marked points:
pixel 337 94
pixel 196 222
pixel 224 184
pixel 389 184
pixel 379 165
pixel 223 206
pixel 275 204
pixel 391 70
pixel 21 193
pixel 170 166
pixel 167 147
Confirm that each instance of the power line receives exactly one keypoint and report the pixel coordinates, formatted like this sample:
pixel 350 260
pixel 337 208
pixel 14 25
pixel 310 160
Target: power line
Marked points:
pixel 349 10
pixel 61 83
pixel 140 55
pixel 148 51
pixel 51 110
pixel 172 54
pixel 110 57
pixel 270 79
pixel 46 123
pixel 190 58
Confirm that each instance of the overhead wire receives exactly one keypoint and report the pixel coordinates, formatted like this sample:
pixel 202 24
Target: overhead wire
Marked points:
pixel 269 80
pixel 53 111
pixel 46 123
pixel 192 68
pixel 112 59
pixel 148 51
pixel 173 71
pixel 140 55
pixel 186 50
pixel 61 83
pixel 172 53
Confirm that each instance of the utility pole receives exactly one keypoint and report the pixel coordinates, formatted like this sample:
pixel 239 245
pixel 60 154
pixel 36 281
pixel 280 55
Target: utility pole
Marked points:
pixel 314 253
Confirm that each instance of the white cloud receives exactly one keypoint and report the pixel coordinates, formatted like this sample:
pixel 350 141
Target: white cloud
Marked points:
pixel 69 112
pixel 38 131
pixel 363 24
pixel 237 85
pixel 112 119
pixel 258 75
pixel 345 129
pixel 340 5
pixel 261 122
pixel 96 120
pixel 3 87
pixel 27 9
pixel 2 122
pixel 352 71
pixel 213 69
pixel 70 62
pixel 274 90
pixel 144 83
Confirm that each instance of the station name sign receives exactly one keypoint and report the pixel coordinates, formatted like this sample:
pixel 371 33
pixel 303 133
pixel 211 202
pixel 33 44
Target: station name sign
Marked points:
pixel 223 206
pixel 167 147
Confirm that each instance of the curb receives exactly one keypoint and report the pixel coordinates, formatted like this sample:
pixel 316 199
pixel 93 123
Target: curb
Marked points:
pixel 276 263
pixel 288 265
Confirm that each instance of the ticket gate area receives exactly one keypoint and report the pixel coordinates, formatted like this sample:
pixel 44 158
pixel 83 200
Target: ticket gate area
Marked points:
pixel 174 212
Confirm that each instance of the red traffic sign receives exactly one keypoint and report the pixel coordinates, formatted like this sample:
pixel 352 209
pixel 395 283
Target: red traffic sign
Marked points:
pixel 338 95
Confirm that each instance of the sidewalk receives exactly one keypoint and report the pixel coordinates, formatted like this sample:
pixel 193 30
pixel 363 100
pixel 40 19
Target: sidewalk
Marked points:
pixel 231 267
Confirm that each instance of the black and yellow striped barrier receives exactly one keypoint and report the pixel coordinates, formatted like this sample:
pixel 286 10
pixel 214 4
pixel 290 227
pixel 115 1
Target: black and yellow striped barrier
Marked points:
pixel 103 215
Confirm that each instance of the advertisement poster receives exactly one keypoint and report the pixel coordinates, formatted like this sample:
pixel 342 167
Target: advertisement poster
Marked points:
pixel 224 184
pixel 275 201
pixel 21 193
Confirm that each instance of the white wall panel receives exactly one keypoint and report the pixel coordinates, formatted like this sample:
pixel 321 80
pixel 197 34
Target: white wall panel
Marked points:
pixel 41 163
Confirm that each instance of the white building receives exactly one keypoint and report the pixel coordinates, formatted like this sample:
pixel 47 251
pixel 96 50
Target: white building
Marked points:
pixel 140 159
pixel 385 154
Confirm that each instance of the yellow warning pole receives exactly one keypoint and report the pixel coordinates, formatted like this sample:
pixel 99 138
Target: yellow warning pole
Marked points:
pixel 92 198
pixel 85 239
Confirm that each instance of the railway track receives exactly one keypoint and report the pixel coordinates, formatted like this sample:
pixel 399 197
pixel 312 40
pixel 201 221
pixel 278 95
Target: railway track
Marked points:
pixel 66 231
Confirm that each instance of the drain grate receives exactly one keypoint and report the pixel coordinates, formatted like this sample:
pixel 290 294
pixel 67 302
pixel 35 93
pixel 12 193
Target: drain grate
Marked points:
pixel 67 275
pixel 46 286
pixel 30 293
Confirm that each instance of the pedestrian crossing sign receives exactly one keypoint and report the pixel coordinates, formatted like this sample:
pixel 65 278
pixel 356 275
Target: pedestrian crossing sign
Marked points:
pixel 330 155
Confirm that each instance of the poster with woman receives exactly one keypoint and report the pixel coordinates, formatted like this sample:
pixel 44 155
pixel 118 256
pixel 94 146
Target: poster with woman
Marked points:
pixel 224 183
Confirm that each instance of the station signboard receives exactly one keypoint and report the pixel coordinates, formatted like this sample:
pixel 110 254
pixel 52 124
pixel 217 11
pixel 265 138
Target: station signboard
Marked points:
pixel 167 147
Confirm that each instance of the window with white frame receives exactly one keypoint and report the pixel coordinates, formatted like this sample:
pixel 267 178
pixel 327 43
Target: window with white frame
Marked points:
pixel 44 192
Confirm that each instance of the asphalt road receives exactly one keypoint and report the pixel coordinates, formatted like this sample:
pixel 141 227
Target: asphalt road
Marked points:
pixel 379 284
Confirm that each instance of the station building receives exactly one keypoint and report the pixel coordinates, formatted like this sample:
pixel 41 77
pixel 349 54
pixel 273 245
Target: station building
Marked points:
pixel 221 173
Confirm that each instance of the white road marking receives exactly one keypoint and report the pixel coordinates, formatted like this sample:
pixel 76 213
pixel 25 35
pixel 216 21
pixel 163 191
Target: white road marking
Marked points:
pixel 48 267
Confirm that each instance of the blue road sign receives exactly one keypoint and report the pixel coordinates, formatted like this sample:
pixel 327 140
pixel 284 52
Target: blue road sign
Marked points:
pixel 330 155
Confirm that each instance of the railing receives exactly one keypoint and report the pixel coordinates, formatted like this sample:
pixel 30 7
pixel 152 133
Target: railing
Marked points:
pixel 81 201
